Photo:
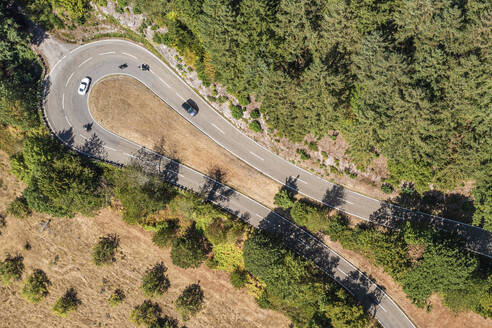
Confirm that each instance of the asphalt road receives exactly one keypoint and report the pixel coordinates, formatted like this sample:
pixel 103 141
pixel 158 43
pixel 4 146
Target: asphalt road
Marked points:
pixel 67 113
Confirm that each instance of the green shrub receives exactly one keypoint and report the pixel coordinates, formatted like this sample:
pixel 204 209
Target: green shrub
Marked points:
pixel 239 278
pixel 155 281
pixel 221 99
pixel 335 171
pixel 19 208
pixel 387 188
pixel 104 251
pixel 243 100
pixel 211 98
pixel 350 173
pixel 333 136
pixel 66 304
pixel 190 302
pixel 137 10
pixel 283 199
pixel 255 114
pixel 308 215
pixel 255 126
pixel 324 154
pixel 221 231
pixel 119 10
pixel 304 155
pixel 166 234
pixel 123 3
pixel 116 297
pixel 236 111
pixel 227 257
pixel 190 250
pixel 162 38
pixel 313 146
pixel 36 286
pixel 147 313
pixel 11 269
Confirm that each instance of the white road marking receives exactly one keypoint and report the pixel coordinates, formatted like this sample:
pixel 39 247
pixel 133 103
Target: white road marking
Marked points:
pixel 215 126
pixel 344 200
pixel 297 179
pixel 382 307
pixel 163 81
pixel 181 175
pixel 66 118
pixel 130 155
pixel 68 80
pixel 177 94
pixel 107 53
pixel 125 53
pixel 256 155
pixel 341 271
pixel 110 148
pixel 63 101
pixel 84 137
pixel 260 216
pixel 85 61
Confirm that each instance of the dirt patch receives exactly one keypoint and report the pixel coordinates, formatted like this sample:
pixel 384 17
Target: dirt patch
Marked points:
pixel 63 251
pixel 439 316
pixel 117 100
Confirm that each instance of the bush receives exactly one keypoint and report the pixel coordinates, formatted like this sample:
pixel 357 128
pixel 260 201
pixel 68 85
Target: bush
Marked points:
pixel 283 199
pixel 116 297
pixel 36 286
pixel 137 10
pixel 19 208
pixel 350 173
pixel 255 114
pixel 308 215
pixel 387 188
pixel 190 301
pixel 190 250
pixel 304 155
pixel 255 126
pixel 243 100
pixel 162 38
pixel 147 313
pixel 324 154
pixel 166 234
pixel 104 251
pixel 11 269
pixel 239 278
pixel 155 282
pixel 335 171
pixel 66 304
pixel 313 146
pixel 236 111
pixel 221 99
pixel 123 3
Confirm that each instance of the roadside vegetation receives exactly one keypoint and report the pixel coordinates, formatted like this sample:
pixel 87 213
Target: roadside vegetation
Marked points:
pixel 422 260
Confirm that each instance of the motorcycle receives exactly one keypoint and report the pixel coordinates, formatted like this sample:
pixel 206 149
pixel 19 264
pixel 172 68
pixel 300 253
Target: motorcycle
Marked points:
pixel 123 66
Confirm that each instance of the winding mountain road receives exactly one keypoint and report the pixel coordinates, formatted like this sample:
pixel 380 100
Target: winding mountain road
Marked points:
pixel 67 112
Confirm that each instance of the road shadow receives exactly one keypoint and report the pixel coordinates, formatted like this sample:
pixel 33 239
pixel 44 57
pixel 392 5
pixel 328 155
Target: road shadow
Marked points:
pixel 334 197
pixel 67 136
pixel 214 188
pixel 95 147
pixel 170 172
pixel 291 185
pixel 148 160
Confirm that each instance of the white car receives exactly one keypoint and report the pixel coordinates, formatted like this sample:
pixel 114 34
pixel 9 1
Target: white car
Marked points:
pixel 84 85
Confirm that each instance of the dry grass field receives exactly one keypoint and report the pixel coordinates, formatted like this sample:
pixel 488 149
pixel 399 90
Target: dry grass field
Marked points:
pixel 117 100
pixel 63 251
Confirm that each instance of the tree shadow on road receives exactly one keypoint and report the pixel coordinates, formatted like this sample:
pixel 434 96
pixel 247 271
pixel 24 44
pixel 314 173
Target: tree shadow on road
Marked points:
pixel 214 188
pixel 67 136
pixel 334 197
pixel 95 147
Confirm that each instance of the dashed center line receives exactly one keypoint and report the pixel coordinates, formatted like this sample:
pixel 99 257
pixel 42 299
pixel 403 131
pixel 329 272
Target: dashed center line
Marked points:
pixel 382 307
pixel 297 179
pixel 107 53
pixel 68 80
pixel 260 216
pixel 167 85
pixel 130 155
pixel 177 94
pixel 85 61
pixel 215 126
pixel 125 53
pixel 344 200
pixel 109 148
pixel 84 137
pixel 341 271
pixel 63 101
pixel 256 155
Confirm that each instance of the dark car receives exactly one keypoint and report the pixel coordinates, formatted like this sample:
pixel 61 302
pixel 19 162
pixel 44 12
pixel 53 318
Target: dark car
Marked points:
pixel 190 107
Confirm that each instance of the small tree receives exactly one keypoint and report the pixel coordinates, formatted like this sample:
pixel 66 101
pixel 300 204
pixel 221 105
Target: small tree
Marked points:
pixel 239 278
pixel 308 215
pixel 11 268
pixel 155 281
pixel 190 250
pixel 36 286
pixel 19 208
pixel 147 313
pixel 255 126
pixel 255 114
pixel 236 111
pixel 116 297
pixel 166 234
pixel 104 251
pixel 283 199
pixel 190 301
pixel 66 304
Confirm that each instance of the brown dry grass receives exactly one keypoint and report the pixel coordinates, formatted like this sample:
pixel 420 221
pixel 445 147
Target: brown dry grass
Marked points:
pixel 117 100
pixel 70 241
